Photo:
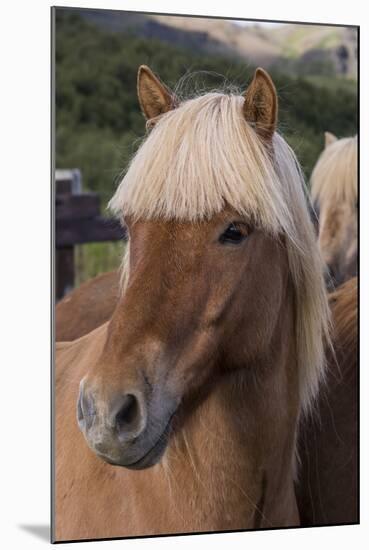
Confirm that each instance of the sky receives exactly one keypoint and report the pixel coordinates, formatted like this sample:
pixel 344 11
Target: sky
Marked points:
pixel 261 23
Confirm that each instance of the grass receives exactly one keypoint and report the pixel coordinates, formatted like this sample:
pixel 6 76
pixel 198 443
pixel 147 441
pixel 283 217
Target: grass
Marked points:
pixel 95 258
pixel 333 84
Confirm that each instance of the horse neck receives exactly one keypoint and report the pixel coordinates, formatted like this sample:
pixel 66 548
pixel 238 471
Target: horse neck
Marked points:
pixel 236 451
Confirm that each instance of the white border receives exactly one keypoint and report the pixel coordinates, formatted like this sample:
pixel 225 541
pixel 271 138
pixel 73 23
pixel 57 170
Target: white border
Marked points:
pixel 25 271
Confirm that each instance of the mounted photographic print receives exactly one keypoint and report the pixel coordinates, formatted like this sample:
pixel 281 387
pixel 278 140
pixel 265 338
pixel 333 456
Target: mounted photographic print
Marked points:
pixel 205 204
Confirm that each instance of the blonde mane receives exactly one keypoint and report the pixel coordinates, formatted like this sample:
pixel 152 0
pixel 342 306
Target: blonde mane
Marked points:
pixel 334 178
pixel 203 156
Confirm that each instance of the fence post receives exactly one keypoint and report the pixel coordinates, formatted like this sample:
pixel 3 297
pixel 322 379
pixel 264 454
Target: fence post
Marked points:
pixel 77 221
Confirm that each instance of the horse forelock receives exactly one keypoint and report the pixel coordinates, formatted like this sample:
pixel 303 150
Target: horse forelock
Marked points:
pixel 334 178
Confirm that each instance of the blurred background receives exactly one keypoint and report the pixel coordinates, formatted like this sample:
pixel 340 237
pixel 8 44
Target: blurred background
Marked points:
pixel 98 121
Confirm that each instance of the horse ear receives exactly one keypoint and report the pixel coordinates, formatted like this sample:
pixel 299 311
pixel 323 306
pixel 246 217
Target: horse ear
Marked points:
pixel 261 104
pixel 329 138
pixel 154 97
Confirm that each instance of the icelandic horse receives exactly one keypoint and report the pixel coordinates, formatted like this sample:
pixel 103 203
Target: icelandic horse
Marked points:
pixel 327 484
pixel 328 440
pixel 181 413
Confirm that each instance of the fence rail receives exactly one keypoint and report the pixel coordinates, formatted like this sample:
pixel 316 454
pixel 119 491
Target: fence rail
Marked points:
pixel 77 221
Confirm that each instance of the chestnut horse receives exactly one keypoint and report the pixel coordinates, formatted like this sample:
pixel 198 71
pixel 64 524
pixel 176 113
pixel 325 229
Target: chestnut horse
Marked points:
pixel 334 196
pixel 327 487
pixel 87 307
pixel 189 399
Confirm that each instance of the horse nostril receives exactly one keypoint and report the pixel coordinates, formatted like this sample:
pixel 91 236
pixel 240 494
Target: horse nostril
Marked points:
pixel 127 412
pixel 128 418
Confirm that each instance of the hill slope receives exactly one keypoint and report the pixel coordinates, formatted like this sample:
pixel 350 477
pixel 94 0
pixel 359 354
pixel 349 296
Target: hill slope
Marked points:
pixel 298 49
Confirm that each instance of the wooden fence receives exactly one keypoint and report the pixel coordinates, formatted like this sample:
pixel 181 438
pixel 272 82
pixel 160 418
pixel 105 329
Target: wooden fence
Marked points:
pixel 77 221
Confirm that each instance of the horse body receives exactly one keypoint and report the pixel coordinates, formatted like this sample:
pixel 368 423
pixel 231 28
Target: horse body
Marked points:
pixel 188 400
pixel 76 314
pixel 327 488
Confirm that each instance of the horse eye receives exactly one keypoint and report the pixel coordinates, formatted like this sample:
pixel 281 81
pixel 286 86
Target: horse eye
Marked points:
pixel 232 235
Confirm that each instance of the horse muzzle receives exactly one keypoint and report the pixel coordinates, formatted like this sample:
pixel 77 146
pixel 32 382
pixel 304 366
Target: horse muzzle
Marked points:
pixel 128 430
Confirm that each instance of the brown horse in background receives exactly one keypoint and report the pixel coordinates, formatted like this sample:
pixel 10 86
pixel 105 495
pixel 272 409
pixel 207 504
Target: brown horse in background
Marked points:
pixel 327 488
pixel 87 307
pixel 189 399
pixel 334 196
